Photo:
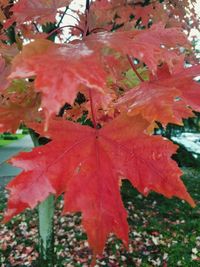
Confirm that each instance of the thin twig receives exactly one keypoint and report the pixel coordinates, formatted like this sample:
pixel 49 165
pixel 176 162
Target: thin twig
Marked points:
pixel 66 26
pixel 73 17
pixel 61 19
pixel 87 5
pixel 98 29
pixel 86 28
pixel 134 68
pixel 36 27
pixel 92 109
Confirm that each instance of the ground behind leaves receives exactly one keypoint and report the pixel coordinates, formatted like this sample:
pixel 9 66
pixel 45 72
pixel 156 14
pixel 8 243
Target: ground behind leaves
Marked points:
pixel 163 232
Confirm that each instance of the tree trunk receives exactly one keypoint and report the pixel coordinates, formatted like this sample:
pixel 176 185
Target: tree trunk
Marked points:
pixel 46 222
pixel 46 232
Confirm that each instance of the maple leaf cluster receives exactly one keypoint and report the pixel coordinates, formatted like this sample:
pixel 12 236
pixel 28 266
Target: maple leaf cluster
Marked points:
pixel 125 70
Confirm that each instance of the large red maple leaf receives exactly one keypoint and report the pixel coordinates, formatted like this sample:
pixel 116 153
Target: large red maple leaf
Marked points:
pixel 87 165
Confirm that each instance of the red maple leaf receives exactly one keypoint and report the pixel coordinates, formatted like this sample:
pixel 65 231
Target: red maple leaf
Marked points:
pixel 42 11
pixel 7 53
pixel 87 165
pixel 18 104
pixel 60 71
pixel 4 72
pixel 105 13
pixel 167 97
pixel 152 46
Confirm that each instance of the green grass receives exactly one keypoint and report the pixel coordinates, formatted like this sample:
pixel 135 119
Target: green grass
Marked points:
pixel 162 231
pixel 4 142
pixel 168 226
